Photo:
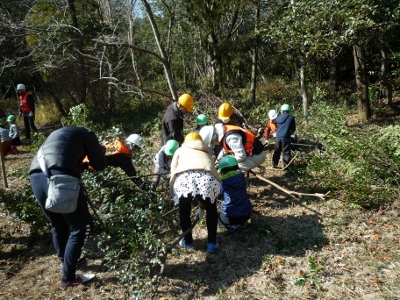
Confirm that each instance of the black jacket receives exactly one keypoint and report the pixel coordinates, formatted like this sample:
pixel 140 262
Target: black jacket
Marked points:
pixel 172 125
pixel 285 126
pixel 65 149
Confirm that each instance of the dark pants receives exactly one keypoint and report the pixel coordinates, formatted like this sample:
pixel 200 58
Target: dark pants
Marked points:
pixel 69 230
pixel 285 147
pixel 29 122
pixel 185 207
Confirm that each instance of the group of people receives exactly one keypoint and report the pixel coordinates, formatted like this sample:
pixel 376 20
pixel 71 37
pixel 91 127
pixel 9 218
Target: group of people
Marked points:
pixel 11 138
pixel 187 159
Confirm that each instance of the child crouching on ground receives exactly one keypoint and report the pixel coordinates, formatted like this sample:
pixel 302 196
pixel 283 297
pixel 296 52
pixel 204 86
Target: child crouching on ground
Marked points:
pixel 14 131
pixel 194 176
pixel 236 207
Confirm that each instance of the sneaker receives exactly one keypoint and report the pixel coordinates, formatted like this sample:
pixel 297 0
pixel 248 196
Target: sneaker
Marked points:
pixel 79 279
pixel 211 248
pixel 183 244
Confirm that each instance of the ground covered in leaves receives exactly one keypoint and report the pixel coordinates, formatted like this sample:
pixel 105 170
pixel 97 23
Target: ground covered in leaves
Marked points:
pixel 308 249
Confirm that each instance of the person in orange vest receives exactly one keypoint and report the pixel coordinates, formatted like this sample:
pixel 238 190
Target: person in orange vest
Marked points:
pixel 119 155
pixel 26 109
pixel 270 128
pixel 242 144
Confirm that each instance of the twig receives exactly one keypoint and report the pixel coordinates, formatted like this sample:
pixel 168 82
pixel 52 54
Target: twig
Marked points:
pixel 290 161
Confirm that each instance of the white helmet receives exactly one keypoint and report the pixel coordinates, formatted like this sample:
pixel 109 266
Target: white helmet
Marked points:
pixel 134 139
pixel 272 114
pixel 21 87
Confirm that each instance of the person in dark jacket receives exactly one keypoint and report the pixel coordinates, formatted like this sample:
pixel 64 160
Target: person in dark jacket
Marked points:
pixel 236 207
pixel 172 123
pixel 64 151
pixel 286 126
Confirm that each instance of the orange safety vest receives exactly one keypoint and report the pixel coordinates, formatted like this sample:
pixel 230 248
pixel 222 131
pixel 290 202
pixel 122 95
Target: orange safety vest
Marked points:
pixel 24 103
pixel 116 148
pixel 272 126
pixel 247 139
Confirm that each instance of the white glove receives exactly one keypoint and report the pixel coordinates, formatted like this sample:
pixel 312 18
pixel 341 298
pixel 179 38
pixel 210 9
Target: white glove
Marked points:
pixel 31 114
pixel 200 214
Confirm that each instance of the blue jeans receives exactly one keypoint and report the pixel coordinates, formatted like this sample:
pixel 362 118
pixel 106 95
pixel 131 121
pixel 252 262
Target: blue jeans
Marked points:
pixel 69 230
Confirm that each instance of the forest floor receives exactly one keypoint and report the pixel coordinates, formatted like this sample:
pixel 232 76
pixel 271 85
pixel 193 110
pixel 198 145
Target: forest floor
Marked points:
pixel 335 251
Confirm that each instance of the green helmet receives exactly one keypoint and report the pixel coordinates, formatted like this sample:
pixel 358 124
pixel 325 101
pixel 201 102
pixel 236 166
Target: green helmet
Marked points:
pixel 201 120
pixel 170 147
pixel 11 118
pixel 285 107
pixel 226 162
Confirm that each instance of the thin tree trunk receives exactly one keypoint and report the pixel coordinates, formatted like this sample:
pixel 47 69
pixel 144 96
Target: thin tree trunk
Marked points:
pixel 253 85
pixel 80 53
pixel 364 108
pixel 385 81
pixel 333 75
pixel 165 60
pixel 303 86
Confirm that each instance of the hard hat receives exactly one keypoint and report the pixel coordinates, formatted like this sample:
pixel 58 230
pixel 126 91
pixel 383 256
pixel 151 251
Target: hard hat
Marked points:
pixel 226 162
pixel 219 130
pixel 187 102
pixel 285 107
pixel 207 134
pixel 272 114
pixel 21 87
pixel 134 140
pixel 192 136
pixel 170 147
pixel 11 118
pixel 201 120
pixel 225 111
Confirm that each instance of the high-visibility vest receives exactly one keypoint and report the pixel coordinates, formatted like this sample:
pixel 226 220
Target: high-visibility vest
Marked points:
pixel 250 144
pixel 24 103
pixel 272 126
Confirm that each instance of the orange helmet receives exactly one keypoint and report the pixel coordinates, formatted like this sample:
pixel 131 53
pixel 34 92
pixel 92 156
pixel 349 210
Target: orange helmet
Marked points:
pixel 225 111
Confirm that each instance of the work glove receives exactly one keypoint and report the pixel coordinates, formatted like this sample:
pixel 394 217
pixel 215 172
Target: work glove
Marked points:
pixel 200 214
pixel 20 114
pixel 31 113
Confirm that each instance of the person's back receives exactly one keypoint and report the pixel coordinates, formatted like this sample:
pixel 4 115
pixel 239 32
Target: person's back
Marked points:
pixel 285 126
pixel 5 136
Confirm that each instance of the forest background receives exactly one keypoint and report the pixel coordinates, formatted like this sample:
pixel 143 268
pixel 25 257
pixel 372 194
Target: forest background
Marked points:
pixel 114 66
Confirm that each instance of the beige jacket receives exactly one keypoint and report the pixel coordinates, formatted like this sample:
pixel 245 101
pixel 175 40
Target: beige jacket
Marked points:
pixel 192 156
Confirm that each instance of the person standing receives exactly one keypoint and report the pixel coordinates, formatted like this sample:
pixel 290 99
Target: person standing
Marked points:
pixel 172 123
pixel 63 151
pixel 270 128
pixel 26 109
pixel 194 176
pixel 286 126
pixel 14 131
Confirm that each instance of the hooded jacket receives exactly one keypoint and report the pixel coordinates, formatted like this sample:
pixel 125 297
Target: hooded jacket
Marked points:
pixel 236 200
pixel 286 126
pixel 191 156
pixel 65 149
pixel 172 125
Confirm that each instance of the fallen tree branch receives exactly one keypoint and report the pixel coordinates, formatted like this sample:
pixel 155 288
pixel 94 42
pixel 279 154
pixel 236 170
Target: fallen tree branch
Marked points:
pixel 290 193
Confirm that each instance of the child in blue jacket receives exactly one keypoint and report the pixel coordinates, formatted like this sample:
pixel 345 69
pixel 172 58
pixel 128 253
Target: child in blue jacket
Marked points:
pixel 236 207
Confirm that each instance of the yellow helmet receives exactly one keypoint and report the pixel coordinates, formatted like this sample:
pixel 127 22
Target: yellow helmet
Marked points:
pixel 192 136
pixel 187 102
pixel 225 111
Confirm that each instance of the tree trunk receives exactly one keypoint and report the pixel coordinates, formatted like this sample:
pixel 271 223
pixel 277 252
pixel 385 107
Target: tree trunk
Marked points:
pixel 385 81
pixel 165 60
pixel 80 52
pixel 303 86
pixel 333 75
pixel 254 62
pixel 364 108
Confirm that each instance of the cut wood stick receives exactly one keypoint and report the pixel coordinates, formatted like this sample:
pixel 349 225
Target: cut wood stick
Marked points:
pixel 290 193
